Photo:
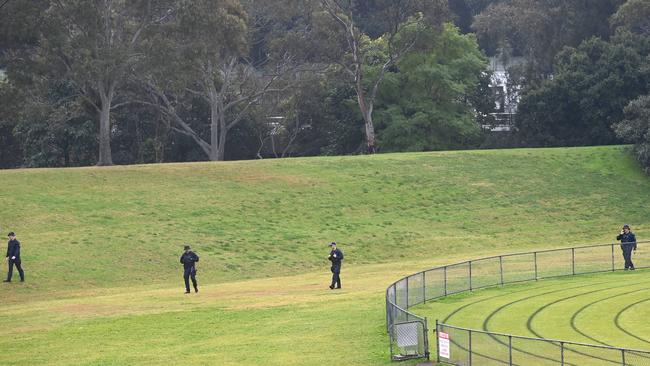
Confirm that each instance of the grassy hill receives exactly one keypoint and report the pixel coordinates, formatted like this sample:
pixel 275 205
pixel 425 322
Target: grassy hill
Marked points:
pixel 101 246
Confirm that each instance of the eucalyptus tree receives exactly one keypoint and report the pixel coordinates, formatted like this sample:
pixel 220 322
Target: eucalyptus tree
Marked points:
pixel 94 46
pixel 400 24
pixel 203 55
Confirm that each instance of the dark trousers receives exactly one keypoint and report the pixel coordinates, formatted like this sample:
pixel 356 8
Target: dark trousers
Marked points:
pixel 627 255
pixel 336 279
pixel 18 267
pixel 190 272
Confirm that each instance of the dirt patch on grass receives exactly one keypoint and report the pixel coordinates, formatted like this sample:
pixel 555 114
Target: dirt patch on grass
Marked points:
pixel 89 310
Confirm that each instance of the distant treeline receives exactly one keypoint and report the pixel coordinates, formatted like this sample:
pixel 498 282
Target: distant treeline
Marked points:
pixel 104 82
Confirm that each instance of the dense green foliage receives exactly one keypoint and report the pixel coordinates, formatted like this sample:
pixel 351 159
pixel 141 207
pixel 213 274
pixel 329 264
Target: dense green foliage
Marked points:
pixel 191 80
pixel 238 79
pixel 635 128
pixel 591 86
pixel 539 29
pixel 430 89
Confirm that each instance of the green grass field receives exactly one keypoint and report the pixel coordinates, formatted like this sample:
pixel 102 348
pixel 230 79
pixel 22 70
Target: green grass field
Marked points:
pixel 101 247
pixel 602 309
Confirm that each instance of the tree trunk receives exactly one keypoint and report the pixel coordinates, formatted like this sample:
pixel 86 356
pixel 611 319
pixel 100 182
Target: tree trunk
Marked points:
pixel 366 111
pixel 66 155
pixel 221 155
pixel 370 133
pixel 105 157
pixel 214 132
pixel 218 130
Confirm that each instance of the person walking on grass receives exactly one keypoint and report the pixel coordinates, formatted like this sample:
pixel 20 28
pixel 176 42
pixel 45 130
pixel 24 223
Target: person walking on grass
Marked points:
pixel 628 244
pixel 189 259
pixel 13 257
pixel 336 257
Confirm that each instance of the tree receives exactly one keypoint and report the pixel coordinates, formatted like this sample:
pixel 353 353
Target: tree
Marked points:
pixel 425 103
pixel 633 16
pixel 17 20
pixel 10 109
pixel 591 86
pixel 51 126
pixel 635 129
pixel 204 55
pixel 403 22
pixel 94 46
pixel 539 29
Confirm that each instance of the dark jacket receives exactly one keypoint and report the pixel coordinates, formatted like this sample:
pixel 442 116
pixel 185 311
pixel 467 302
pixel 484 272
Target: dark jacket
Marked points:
pixel 336 261
pixel 628 239
pixel 13 249
pixel 188 259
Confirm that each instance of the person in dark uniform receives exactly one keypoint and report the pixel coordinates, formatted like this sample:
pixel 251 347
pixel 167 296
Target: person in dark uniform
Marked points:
pixel 628 244
pixel 189 259
pixel 336 257
pixel 13 257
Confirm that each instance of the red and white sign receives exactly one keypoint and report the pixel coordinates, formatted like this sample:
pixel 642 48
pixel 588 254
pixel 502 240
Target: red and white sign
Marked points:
pixel 443 345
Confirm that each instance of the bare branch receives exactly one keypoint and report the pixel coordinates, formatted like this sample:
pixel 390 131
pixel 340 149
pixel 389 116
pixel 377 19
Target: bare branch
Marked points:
pixel 296 131
pixel 118 105
pixel 169 109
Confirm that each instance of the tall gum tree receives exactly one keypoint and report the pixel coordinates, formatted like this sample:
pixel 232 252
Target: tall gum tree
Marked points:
pixel 94 45
pixel 205 56
pixel 401 23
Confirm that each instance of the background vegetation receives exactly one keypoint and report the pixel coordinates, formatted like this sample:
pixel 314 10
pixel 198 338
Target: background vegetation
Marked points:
pixel 108 81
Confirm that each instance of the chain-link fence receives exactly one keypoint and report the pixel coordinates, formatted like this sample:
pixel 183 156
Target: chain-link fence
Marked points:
pixel 466 347
pixel 409 332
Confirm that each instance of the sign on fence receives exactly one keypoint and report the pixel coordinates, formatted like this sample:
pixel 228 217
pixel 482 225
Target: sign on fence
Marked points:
pixel 443 345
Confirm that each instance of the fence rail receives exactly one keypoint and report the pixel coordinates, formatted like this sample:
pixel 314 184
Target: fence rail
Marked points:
pixel 408 332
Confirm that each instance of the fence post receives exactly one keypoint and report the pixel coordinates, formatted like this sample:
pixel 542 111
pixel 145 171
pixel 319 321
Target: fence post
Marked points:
pixel 407 295
pixel 573 260
pixel 392 307
pixel 510 350
pixel 535 259
pixel 424 287
pixel 623 356
pixel 426 338
pixel 387 313
pixel 470 275
pixel 562 353
pixel 390 338
pixel 437 342
pixel 445 280
pixel 501 268
pixel 470 347
pixel 613 267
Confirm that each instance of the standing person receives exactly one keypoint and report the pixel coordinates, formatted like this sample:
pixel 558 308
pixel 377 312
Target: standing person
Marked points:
pixel 13 257
pixel 189 259
pixel 336 256
pixel 628 243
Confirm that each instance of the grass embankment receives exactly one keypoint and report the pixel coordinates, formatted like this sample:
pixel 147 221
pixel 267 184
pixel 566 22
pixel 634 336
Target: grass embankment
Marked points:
pixel 101 247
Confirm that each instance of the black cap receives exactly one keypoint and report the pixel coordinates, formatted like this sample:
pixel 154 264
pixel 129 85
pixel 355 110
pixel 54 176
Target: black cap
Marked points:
pixel 332 244
pixel 187 247
pixel 11 233
pixel 626 226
